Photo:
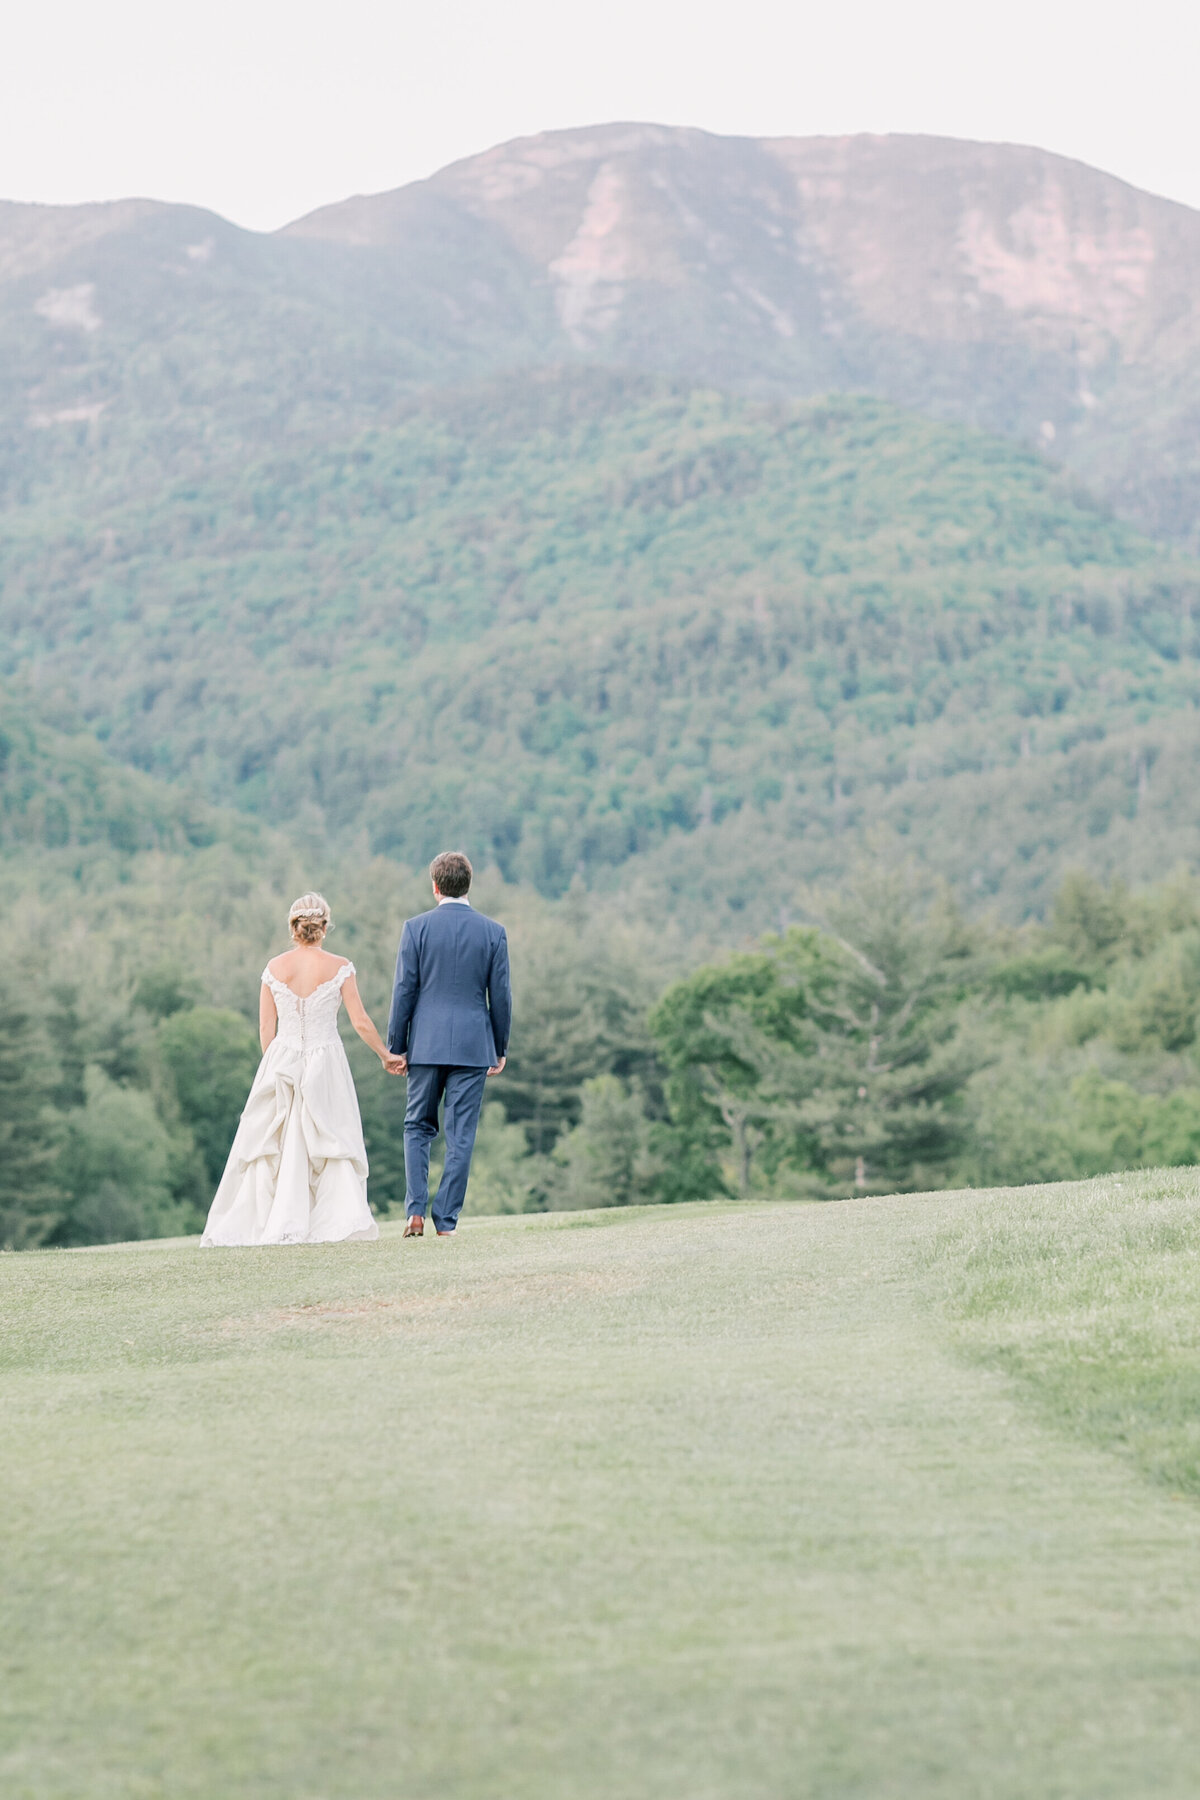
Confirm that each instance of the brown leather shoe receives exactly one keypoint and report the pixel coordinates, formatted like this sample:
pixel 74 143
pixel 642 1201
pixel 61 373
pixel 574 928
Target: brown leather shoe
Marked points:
pixel 415 1227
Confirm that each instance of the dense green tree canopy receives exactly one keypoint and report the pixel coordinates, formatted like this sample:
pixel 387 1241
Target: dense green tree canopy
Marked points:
pixel 660 660
pixel 30 1195
pixel 602 626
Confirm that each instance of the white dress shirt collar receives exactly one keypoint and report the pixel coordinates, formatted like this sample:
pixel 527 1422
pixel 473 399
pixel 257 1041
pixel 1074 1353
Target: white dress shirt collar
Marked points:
pixel 453 900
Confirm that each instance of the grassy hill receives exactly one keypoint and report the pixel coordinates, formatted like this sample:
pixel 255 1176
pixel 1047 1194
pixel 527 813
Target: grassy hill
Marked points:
pixel 891 1498
pixel 601 625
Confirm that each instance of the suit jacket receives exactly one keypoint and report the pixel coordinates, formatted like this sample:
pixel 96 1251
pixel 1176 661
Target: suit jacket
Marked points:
pixel 452 1003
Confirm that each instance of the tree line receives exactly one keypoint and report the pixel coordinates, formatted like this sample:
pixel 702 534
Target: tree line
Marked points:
pixel 884 1042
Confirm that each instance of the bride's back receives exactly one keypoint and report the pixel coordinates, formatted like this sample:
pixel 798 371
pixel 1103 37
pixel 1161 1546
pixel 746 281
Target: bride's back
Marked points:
pixel 305 969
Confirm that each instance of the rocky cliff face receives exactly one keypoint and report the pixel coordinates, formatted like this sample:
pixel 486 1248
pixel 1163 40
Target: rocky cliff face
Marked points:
pixel 1000 285
pixel 921 236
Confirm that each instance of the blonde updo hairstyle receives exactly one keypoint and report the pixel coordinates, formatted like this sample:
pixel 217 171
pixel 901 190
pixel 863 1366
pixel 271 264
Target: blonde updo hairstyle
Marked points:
pixel 309 918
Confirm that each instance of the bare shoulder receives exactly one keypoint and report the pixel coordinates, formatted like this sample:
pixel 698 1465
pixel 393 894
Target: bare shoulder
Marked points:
pixel 291 962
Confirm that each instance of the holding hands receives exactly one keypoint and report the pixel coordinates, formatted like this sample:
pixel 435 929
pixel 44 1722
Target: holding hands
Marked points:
pixel 398 1065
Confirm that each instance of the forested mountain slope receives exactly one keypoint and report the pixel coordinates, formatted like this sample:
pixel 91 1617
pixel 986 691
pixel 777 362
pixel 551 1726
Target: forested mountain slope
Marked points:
pixel 139 338
pixel 992 284
pixel 607 626
pixel 60 791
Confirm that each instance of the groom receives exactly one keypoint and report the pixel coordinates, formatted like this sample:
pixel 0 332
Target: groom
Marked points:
pixel 448 1031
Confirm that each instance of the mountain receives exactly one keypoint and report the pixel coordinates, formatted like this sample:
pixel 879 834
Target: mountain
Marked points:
pixel 990 284
pixel 668 520
pixel 1017 290
pixel 138 339
pixel 615 627
pixel 522 503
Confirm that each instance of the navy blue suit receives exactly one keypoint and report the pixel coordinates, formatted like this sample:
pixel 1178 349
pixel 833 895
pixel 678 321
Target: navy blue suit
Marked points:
pixel 451 1012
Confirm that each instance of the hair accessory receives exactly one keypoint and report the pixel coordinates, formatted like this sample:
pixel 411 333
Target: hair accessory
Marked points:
pixel 310 906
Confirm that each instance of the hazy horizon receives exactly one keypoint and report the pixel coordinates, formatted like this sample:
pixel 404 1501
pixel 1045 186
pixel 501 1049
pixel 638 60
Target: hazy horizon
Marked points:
pixel 586 125
pixel 262 114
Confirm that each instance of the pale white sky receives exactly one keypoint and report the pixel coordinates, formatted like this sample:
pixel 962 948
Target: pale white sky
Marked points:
pixel 263 110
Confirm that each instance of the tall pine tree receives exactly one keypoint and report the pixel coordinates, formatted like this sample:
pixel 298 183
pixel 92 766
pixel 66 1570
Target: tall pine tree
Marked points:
pixel 28 1137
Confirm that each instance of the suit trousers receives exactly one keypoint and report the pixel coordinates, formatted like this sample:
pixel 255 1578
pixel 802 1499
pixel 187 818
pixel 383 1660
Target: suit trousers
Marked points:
pixel 462 1089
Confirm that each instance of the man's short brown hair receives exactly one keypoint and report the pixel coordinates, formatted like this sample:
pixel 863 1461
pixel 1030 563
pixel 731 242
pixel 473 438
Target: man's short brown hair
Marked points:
pixel 451 874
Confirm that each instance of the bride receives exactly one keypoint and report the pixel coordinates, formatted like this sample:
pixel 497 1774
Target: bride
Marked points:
pixel 297 1172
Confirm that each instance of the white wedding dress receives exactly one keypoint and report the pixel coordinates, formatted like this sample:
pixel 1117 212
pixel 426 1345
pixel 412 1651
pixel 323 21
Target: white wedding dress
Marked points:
pixel 297 1172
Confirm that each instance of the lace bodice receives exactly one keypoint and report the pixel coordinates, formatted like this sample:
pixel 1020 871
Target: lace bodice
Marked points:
pixel 306 1024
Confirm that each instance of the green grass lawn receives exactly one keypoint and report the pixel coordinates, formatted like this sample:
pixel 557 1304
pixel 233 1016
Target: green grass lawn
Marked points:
pixel 886 1498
